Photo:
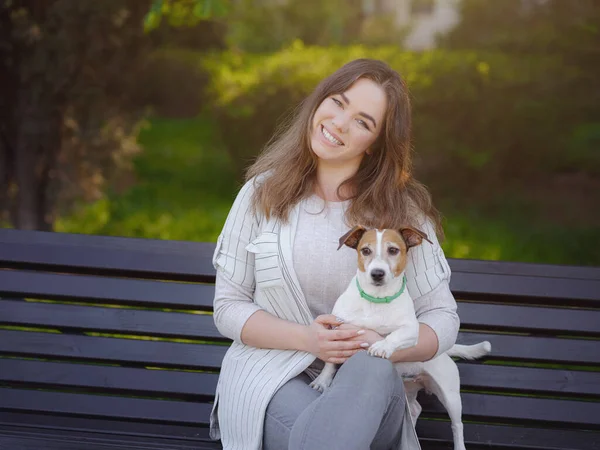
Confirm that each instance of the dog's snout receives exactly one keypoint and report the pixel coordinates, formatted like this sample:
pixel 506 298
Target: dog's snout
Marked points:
pixel 377 274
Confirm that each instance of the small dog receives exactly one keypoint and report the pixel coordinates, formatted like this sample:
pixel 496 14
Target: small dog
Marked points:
pixel 377 299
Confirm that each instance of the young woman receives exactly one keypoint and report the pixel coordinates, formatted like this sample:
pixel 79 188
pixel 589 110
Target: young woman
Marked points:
pixel 343 159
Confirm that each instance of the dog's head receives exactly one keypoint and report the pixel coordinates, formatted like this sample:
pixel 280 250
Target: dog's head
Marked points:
pixel 382 253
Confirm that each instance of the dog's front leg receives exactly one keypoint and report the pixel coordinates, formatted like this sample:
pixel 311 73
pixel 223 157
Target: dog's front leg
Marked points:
pixel 404 337
pixel 323 381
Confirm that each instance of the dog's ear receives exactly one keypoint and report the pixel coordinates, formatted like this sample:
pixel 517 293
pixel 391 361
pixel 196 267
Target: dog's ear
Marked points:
pixel 413 237
pixel 352 237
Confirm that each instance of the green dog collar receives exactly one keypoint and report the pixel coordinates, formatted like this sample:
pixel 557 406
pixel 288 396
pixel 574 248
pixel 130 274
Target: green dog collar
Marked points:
pixel 387 299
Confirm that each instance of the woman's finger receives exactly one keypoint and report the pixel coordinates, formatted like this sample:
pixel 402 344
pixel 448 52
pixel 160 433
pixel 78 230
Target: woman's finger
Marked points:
pixel 329 319
pixel 340 335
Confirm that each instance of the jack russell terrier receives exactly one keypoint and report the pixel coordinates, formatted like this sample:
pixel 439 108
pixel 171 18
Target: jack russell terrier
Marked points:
pixel 377 299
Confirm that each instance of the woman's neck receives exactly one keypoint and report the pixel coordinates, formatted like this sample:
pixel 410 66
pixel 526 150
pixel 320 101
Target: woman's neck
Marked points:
pixel 330 178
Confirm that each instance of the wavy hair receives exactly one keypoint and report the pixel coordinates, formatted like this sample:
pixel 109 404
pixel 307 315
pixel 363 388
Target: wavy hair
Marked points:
pixel 384 193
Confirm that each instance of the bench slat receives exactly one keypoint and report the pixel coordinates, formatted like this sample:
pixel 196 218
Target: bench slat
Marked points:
pixel 110 320
pixel 529 379
pixel 105 406
pixel 106 426
pixel 146 258
pixel 201 356
pixel 517 379
pixel 480 286
pixel 530 318
pixel 164 382
pixel 48 440
pixel 524 269
pixel 536 349
pixel 112 350
pixel 483 407
pixel 474 405
pixel 508 437
pixel 48 286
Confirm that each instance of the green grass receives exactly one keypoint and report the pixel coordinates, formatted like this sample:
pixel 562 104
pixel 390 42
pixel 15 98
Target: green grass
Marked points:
pixel 184 186
pixel 183 189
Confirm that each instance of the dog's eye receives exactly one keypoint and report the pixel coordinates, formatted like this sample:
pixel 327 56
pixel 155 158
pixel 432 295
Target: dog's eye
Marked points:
pixel 366 251
pixel 393 251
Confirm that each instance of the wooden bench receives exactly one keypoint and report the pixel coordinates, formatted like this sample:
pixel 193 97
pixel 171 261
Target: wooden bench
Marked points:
pixel 108 343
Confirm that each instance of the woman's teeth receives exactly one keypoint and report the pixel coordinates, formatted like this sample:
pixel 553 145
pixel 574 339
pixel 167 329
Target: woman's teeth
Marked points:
pixel 329 137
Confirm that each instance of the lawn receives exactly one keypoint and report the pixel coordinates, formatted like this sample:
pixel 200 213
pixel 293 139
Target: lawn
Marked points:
pixel 184 186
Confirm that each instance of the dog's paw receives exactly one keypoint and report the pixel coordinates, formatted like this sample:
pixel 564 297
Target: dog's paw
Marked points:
pixel 320 384
pixel 382 349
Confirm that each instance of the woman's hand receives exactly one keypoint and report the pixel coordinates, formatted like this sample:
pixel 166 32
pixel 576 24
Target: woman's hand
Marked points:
pixel 333 346
pixel 369 336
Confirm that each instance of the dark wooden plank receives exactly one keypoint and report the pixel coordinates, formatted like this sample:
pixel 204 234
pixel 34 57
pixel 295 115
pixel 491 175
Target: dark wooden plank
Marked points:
pixel 159 382
pixel 110 320
pixel 536 349
pixel 106 426
pixel 112 350
pixel 551 290
pixel 531 318
pixel 508 437
pixel 191 413
pixel 524 269
pixel 529 379
pixel 144 258
pixel 516 409
pixel 19 438
pixel 22 283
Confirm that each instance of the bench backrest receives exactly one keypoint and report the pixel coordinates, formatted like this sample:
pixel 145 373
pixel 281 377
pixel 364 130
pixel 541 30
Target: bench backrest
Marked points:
pixel 116 333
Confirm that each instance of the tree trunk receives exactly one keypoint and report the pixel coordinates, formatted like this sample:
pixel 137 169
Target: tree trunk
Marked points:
pixel 38 138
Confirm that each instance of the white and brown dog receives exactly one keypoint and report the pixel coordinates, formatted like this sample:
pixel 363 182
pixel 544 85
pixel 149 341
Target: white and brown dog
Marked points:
pixel 377 299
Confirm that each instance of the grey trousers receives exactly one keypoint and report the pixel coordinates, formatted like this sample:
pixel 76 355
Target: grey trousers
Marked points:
pixel 362 409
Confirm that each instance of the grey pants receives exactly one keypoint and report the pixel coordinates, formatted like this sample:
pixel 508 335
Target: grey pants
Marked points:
pixel 362 409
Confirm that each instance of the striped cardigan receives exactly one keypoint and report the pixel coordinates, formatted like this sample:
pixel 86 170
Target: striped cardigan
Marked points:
pixel 253 259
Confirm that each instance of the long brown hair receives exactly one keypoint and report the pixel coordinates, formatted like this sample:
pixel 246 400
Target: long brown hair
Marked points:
pixel 384 193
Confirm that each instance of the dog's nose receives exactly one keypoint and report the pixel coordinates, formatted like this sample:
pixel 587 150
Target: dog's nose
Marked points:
pixel 377 274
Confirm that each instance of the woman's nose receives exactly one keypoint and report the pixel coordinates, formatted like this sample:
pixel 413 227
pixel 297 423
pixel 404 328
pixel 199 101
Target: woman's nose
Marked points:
pixel 340 122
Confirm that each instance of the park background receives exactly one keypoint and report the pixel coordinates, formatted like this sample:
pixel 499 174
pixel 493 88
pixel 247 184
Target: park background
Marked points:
pixel 137 117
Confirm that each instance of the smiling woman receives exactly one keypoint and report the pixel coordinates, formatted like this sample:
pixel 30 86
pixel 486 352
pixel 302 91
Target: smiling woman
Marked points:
pixel 343 159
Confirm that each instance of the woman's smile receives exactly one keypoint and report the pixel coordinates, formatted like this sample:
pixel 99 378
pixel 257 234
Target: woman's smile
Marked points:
pixel 331 138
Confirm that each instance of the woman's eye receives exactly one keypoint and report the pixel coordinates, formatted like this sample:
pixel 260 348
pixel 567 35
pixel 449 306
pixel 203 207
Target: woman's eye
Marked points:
pixel 337 102
pixel 366 251
pixel 393 251
pixel 363 124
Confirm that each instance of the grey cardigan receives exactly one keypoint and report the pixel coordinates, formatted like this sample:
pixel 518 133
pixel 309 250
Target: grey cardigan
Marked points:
pixel 253 259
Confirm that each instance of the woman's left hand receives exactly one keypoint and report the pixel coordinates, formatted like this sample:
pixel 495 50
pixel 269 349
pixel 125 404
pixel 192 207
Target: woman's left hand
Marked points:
pixel 369 336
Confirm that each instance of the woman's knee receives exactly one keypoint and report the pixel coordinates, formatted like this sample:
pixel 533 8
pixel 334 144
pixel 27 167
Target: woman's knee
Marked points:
pixel 372 372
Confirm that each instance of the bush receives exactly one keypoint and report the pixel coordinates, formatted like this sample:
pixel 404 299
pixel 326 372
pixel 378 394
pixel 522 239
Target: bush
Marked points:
pixel 485 115
pixel 172 83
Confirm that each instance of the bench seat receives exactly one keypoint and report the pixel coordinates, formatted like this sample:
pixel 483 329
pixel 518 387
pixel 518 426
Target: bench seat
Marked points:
pixel 109 343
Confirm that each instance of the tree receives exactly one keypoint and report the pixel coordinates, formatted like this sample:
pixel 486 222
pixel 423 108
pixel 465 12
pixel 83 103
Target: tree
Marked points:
pixel 67 74
pixel 67 122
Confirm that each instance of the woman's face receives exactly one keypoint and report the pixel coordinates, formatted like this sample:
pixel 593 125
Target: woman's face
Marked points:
pixel 346 125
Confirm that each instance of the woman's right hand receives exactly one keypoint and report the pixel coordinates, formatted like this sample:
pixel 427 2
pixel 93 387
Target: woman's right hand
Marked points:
pixel 330 345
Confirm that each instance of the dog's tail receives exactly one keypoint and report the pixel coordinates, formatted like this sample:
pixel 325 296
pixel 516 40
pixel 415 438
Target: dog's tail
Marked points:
pixel 470 351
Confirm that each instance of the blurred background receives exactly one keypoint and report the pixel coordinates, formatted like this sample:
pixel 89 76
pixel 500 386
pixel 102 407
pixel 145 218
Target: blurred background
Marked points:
pixel 138 117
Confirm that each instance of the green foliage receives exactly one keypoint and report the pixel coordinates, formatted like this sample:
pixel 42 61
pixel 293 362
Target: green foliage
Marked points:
pixel 183 12
pixel 477 112
pixel 269 26
pixel 183 189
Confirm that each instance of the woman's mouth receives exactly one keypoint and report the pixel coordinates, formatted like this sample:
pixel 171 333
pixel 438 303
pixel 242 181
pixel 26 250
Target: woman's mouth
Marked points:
pixel 329 137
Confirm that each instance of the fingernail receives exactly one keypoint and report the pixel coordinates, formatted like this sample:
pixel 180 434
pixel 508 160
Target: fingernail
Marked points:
pixel 365 345
pixel 339 319
pixel 359 332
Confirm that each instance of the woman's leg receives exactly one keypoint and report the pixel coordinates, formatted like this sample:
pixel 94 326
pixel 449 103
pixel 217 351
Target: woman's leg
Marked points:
pixel 283 411
pixel 363 408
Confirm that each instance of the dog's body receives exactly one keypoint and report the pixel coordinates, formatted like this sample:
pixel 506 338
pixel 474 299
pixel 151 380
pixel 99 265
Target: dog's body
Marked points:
pixel 385 306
